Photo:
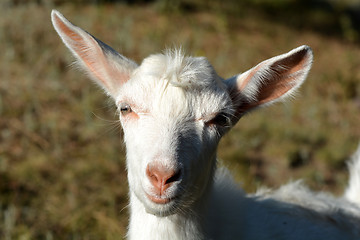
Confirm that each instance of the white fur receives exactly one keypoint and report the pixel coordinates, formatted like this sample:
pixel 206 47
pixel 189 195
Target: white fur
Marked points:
pixel 180 109
pixel 353 191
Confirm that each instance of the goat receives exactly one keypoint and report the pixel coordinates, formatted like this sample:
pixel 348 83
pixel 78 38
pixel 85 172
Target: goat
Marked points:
pixel 174 110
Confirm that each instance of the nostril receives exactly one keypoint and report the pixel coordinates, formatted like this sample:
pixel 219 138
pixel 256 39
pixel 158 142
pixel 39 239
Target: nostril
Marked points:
pixel 175 177
pixel 153 177
pixel 161 177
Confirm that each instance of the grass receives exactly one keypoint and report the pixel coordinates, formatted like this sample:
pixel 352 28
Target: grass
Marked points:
pixel 62 163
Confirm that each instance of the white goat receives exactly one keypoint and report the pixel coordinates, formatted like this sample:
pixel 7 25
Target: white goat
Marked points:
pixel 174 110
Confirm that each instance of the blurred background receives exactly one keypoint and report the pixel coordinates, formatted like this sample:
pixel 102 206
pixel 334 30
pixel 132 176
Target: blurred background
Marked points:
pixel 62 164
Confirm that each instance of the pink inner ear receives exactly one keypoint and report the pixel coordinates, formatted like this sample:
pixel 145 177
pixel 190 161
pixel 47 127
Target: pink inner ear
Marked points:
pixel 280 77
pixel 91 55
pixel 283 77
pixel 67 31
pixel 270 80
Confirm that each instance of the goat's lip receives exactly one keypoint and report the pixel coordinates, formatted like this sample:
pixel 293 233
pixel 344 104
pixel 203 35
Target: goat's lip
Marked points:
pixel 159 200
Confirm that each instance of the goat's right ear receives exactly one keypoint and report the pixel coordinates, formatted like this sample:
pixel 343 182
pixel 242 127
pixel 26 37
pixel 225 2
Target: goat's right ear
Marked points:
pixel 270 81
pixel 107 67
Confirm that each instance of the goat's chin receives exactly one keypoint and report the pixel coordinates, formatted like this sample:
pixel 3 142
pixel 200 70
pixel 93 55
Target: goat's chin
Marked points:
pixel 168 208
pixel 162 210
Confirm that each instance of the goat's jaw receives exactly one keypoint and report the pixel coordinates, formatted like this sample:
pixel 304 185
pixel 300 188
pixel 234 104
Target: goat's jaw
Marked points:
pixel 164 205
pixel 164 211
pixel 161 207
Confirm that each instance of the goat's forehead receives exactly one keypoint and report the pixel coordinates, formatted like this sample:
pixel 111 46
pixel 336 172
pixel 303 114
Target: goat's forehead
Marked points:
pixel 176 84
pixel 179 70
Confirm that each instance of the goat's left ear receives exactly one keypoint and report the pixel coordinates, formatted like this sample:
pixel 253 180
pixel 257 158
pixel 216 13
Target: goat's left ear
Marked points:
pixel 108 68
pixel 270 81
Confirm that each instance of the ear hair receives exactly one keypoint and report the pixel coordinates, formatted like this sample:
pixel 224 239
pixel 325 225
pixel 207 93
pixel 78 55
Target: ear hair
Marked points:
pixel 270 81
pixel 103 64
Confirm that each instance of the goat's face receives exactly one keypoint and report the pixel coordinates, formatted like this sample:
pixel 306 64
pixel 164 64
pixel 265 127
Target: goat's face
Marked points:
pixel 173 117
pixel 174 111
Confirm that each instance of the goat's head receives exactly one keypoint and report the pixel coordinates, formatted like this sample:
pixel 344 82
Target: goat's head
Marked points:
pixel 175 109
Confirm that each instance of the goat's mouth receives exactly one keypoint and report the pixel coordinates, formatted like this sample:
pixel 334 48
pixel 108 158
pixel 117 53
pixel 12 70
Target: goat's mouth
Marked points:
pixel 161 206
pixel 159 199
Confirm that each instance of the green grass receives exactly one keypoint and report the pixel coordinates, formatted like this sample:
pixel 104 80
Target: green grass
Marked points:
pixel 62 163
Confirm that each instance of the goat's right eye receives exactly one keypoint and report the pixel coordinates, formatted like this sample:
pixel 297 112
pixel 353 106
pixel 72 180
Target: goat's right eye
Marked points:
pixel 125 108
pixel 220 119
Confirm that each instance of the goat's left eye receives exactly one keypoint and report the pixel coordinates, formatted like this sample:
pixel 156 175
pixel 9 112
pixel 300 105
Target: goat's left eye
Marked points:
pixel 220 119
pixel 125 108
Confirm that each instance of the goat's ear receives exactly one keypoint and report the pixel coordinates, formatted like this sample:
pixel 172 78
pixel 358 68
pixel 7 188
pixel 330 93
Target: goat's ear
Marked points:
pixel 107 67
pixel 270 81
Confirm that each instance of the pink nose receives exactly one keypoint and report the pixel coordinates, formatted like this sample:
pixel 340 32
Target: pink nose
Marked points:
pixel 161 177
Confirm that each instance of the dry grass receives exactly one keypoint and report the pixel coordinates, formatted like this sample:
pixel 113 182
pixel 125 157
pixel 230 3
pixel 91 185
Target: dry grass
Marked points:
pixel 62 169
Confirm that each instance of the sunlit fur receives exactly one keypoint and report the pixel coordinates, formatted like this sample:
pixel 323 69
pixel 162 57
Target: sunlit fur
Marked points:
pixel 171 119
pixel 353 191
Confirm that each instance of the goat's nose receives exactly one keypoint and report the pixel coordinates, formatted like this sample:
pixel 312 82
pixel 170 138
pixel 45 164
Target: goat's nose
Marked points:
pixel 161 177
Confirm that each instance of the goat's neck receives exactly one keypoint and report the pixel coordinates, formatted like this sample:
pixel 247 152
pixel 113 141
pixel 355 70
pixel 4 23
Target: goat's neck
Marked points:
pixel 177 226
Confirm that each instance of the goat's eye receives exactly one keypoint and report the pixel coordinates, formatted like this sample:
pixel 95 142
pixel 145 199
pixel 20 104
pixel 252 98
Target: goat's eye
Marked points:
pixel 125 108
pixel 220 119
